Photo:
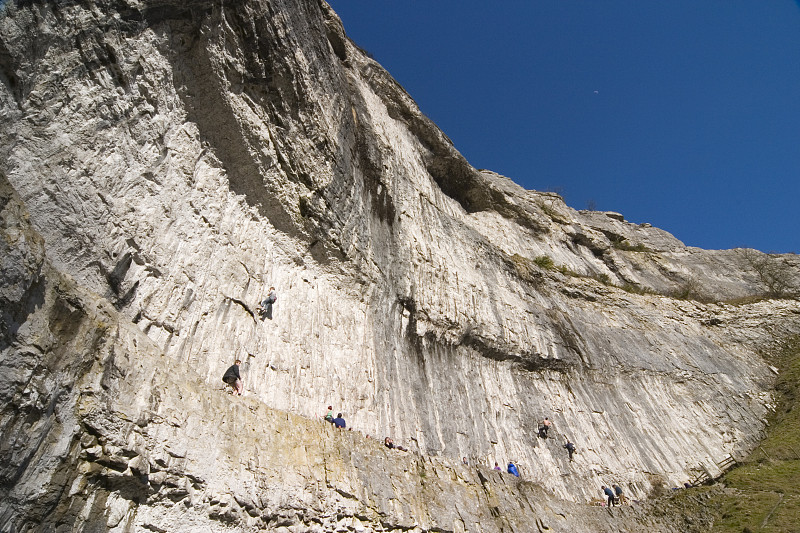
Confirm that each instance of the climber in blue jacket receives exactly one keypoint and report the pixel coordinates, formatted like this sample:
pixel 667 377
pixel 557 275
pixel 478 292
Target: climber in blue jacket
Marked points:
pixel 610 493
pixel 512 469
pixel 339 422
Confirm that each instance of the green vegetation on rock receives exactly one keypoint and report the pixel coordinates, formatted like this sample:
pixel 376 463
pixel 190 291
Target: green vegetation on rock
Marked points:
pixel 544 261
pixel 762 494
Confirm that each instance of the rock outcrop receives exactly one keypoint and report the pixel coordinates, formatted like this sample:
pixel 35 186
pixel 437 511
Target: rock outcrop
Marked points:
pixel 163 163
pixel 102 432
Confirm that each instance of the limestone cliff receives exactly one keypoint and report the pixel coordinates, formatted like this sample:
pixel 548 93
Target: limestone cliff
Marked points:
pixel 177 159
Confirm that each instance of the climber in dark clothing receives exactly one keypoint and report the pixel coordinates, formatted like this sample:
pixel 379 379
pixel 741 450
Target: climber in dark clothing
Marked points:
pixel 610 493
pixel 389 443
pixel 265 309
pixel 570 448
pixel 339 421
pixel 233 379
pixel 618 493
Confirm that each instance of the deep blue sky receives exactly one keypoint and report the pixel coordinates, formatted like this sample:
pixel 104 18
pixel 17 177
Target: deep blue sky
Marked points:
pixel 684 114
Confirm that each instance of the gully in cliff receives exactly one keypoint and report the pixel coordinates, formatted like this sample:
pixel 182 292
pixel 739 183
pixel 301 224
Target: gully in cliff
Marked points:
pixel 233 379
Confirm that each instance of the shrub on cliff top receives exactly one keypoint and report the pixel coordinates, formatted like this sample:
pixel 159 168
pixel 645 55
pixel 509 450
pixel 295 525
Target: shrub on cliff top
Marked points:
pixel 775 273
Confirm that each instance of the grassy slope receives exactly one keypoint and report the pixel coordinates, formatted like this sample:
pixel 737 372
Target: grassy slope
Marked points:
pixel 763 494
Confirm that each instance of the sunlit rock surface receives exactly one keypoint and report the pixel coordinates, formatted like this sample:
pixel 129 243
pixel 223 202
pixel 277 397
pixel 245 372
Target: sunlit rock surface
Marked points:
pixel 164 163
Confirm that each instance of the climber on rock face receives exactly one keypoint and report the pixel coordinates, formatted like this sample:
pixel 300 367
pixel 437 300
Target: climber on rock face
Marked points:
pixel 339 422
pixel 233 379
pixel 265 309
pixel 610 493
pixel 570 449
pixel 497 466
pixel 329 415
pixel 544 427
pixel 512 469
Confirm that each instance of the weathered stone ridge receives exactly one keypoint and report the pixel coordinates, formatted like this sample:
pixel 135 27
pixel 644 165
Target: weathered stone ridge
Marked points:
pixel 178 158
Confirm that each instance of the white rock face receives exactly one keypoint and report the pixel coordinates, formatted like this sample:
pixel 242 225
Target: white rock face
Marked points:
pixel 129 446
pixel 179 158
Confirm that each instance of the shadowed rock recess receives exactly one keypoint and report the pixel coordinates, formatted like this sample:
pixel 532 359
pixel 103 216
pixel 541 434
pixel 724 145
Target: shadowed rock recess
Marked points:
pixel 164 162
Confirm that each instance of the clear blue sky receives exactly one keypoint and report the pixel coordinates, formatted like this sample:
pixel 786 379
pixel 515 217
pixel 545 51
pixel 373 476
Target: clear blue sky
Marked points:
pixel 684 114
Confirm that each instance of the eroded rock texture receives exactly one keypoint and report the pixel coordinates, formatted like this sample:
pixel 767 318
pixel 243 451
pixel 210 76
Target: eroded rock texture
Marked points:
pixel 163 163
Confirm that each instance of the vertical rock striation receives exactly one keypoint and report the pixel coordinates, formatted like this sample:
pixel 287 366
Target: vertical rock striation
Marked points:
pixel 177 159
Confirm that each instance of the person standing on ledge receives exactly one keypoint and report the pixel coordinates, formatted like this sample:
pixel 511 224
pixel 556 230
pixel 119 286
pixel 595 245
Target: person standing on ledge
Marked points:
pixel 233 379
pixel 610 493
pixel 620 496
